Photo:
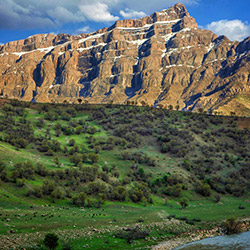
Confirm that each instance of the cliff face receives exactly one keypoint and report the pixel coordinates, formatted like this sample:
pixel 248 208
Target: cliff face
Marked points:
pixel 160 59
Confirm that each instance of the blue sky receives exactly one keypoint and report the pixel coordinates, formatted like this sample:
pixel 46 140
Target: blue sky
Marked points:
pixel 22 18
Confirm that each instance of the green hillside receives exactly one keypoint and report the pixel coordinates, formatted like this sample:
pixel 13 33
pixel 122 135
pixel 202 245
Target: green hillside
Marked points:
pixel 86 172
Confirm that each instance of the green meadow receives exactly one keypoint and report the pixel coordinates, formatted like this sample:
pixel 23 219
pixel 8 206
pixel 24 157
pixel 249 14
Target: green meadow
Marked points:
pixel 117 177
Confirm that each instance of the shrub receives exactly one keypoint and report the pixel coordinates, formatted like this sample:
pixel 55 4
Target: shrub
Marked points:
pixel 204 189
pixel 79 199
pixel 71 142
pixel 20 182
pixel 76 158
pixel 232 226
pixel 132 234
pixel 93 157
pixel 217 198
pixel 184 203
pixel 51 241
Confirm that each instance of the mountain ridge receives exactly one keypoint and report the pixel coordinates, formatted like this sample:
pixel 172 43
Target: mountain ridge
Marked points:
pixel 163 59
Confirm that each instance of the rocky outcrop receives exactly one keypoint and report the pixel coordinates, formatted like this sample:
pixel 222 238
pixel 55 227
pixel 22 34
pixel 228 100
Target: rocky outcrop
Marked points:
pixel 160 59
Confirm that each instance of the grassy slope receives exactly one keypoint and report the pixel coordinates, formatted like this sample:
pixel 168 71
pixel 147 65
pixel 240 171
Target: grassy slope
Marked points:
pixel 19 209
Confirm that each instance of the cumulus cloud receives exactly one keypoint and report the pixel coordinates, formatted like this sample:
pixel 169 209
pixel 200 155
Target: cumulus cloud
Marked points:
pixel 150 6
pixel 85 29
pixel 29 14
pixel 62 15
pixel 98 12
pixel 233 29
pixel 15 16
pixel 128 13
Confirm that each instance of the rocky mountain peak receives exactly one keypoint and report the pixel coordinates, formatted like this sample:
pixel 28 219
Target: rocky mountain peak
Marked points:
pixel 162 59
pixel 177 11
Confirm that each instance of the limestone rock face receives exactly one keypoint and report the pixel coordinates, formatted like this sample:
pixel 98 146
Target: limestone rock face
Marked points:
pixel 160 59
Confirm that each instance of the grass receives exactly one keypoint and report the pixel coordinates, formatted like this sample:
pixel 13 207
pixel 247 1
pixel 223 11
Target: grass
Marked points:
pixel 94 227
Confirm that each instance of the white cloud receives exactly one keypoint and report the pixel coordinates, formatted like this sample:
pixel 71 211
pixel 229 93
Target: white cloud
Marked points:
pixel 85 29
pixel 233 29
pixel 15 15
pixel 62 15
pixel 29 14
pixel 98 12
pixel 151 6
pixel 128 13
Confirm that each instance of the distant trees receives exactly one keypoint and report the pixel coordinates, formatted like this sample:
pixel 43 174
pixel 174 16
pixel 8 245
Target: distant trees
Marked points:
pixel 93 157
pixel 79 199
pixel 3 171
pixel 23 170
pixel 76 158
pixel 204 189
pixel 184 203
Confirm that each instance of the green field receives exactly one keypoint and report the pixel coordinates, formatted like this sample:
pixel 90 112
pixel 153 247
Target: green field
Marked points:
pixel 91 173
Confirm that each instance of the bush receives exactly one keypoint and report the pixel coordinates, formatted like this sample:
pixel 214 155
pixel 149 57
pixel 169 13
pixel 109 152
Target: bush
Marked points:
pixel 132 234
pixel 204 189
pixel 217 198
pixel 79 199
pixel 71 142
pixel 20 182
pixel 232 226
pixel 76 158
pixel 184 203
pixel 93 157
pixel 51 241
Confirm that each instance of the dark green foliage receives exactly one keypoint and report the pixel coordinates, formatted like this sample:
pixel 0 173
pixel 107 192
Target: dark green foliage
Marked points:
pixel 138 157
pixel 184 203
pixel 93 157
pixel 79 199
pixel 51 241
pixel 174 191
pixel 232 226
pixel 204 189
pixel 209 152
pixel 23 170
pixel 132 234
pixel 76 158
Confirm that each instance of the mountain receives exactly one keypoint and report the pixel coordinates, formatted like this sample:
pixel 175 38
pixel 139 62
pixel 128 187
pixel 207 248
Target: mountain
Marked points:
pixel 159 59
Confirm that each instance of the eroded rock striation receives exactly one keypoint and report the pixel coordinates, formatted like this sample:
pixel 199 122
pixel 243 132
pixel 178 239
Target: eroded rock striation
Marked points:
pixel 159 59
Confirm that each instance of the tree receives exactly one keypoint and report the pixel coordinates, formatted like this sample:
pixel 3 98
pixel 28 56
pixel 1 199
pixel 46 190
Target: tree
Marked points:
pixel 170 107
pixel 232 226
pixel 200 110
pixel 184 203
pixel 2 166
pixel 79 129
pixel 217 198
pixel 79 199
pixel 51 241
pixel 71 142
pixel 76 158
pixel 97 149
pixel 79 100
pixel 93 157
pixel 204 189
pixel 56 161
